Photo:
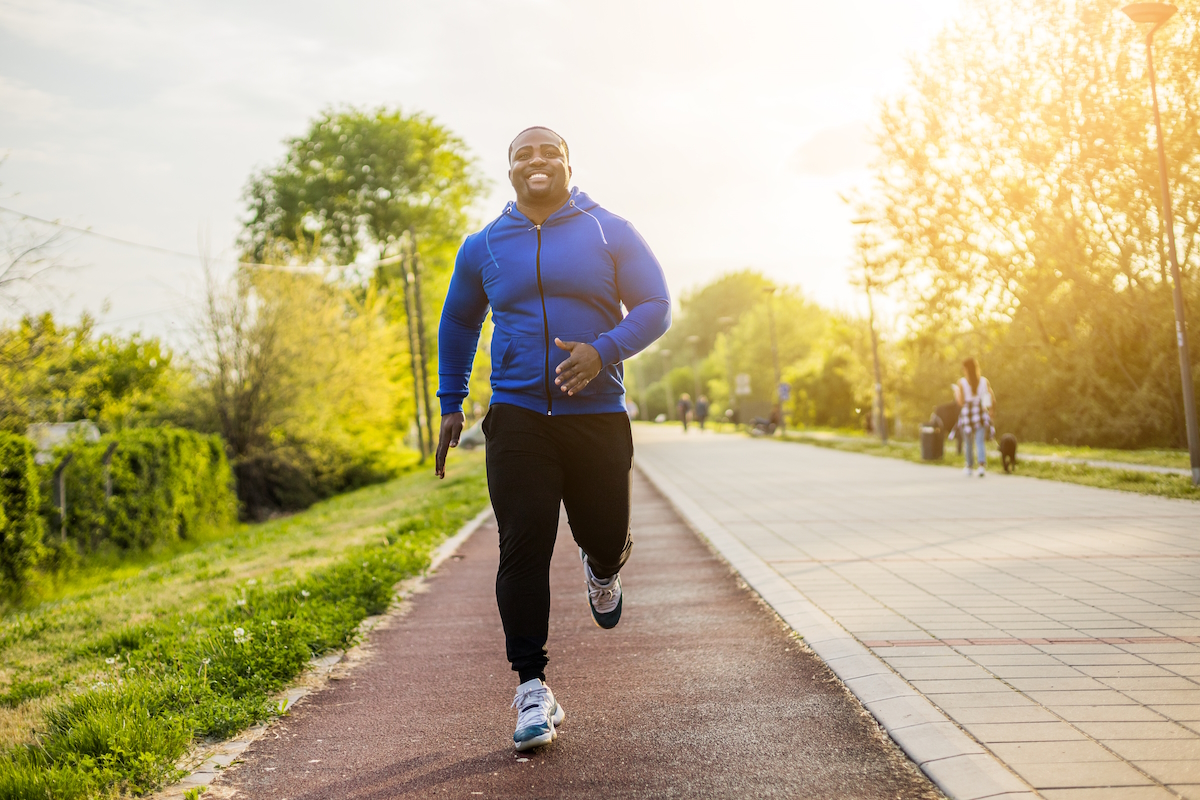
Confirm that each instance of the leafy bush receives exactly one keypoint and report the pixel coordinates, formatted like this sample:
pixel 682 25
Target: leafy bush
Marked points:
pixel 167 484
pixel 20 525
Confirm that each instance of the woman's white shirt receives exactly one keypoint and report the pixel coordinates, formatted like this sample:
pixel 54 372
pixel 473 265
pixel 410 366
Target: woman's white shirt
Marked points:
pixel 984 392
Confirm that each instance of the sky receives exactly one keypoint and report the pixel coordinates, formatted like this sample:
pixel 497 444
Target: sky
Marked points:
pixel 726 132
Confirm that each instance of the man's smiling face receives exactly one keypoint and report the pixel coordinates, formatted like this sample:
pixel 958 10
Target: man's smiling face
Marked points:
pixel 538 167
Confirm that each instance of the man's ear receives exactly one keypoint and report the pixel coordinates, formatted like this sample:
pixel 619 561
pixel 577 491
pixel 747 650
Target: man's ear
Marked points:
pixel 570 171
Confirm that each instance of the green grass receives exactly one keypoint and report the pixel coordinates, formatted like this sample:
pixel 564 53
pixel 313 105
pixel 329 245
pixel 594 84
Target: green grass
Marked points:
pixel 1158 458
pixel 109 679
pixel 1177 486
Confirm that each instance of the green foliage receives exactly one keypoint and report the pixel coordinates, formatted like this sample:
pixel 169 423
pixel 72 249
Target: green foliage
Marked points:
pixel 360 178
pixel 210 666
pixel 51 372
pixel 168 484
pixel 1017 202
pixel 20 525
pixel 821 354
pixel 300 375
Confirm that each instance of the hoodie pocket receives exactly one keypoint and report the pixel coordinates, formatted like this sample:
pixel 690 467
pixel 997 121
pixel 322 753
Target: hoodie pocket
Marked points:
pixel 608 381
pixel 522 365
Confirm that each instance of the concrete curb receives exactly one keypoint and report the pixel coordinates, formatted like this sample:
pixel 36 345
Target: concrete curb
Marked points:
pixel 205 765
pixel 959 765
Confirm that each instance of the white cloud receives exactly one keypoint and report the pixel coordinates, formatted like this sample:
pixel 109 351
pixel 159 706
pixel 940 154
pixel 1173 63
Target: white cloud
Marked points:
pixel 27 104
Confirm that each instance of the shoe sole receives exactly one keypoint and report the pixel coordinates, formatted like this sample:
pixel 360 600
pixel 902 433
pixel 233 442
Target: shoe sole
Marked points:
pixel 607 621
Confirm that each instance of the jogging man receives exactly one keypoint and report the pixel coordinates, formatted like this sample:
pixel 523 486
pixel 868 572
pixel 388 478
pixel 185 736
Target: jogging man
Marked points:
pixel 555 268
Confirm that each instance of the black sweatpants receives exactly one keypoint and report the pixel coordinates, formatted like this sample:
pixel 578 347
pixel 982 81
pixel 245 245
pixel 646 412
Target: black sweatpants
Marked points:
pixel 535 463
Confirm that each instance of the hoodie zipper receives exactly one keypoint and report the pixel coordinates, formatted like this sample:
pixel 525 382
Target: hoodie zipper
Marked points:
pixel 545 326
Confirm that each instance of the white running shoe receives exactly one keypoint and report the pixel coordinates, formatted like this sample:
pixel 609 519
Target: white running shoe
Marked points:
pixel 980 471
pixel 967 471
pixel 604 596
pixel 538 715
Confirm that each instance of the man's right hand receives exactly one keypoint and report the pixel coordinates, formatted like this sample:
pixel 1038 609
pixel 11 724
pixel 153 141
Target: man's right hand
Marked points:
pixel 452 425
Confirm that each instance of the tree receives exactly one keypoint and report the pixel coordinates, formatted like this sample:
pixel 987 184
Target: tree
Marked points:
pixel 296 372
pixel 363 181
pixel 358 180
pixel 25 257
pixel 54 373
pixel 1017 206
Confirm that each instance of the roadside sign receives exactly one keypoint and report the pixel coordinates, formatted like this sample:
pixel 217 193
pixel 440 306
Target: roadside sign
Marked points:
pixel 742 384
pixel 785 392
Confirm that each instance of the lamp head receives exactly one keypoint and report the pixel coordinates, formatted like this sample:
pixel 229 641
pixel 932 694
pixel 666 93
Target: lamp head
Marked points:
pixel 1156 13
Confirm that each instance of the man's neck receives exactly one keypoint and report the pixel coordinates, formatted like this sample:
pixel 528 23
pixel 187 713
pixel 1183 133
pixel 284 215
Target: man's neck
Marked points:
pixel 540 212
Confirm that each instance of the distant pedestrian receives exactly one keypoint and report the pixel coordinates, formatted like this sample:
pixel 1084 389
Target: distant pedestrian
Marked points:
pixel 975 401
pixel 701 411
pixel 555 268
pixel 684 407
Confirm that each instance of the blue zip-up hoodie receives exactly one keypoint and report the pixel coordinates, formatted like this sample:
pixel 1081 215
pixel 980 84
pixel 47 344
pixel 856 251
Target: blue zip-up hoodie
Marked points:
pixel 566 278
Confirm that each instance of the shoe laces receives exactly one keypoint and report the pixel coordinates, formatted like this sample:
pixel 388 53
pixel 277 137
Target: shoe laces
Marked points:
pixel 603 594
pixel 531 706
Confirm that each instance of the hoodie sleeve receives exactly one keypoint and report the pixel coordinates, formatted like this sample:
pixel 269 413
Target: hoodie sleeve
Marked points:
pixel 643 290
pixel 458 334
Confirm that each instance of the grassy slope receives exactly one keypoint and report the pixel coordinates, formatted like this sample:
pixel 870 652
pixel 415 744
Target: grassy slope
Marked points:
pixel 78 640
pixel 1177 486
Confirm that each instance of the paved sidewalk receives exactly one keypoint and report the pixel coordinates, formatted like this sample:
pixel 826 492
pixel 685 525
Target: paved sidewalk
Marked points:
pixel 700 692
pixel 1058 625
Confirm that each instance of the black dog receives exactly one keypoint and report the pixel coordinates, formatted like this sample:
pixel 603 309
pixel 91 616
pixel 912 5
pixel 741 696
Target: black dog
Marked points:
pixel 1008 451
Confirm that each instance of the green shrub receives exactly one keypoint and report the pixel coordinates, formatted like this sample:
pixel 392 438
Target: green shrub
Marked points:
pixel 167 484
pixel 20 524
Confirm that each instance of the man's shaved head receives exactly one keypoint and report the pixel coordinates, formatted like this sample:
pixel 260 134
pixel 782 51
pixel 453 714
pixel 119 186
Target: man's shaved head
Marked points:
pixel 566 150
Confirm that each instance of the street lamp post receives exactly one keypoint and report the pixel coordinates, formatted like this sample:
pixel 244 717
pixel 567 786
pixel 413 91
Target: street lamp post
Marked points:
pixel 880 418
pixel 726 324
pixel 1157 14
pixel 879 415
pixel 770 290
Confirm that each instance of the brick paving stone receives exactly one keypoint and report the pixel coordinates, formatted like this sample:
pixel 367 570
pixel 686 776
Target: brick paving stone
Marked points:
pixel 1018 607
pixel 1113 793
pixel 1082 774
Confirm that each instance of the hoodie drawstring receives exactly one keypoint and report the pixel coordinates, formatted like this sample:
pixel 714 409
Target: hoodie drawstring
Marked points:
pixel 593 216
pixel 487 240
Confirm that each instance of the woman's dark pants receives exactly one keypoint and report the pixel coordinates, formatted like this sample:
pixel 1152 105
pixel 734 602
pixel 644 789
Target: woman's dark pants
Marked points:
pixel 535 463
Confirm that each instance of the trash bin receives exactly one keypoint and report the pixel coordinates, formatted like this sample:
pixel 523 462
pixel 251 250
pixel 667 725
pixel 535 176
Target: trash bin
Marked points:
pixel 931 443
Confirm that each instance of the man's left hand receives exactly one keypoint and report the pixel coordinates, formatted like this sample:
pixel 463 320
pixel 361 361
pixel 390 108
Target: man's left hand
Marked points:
pixel 580 367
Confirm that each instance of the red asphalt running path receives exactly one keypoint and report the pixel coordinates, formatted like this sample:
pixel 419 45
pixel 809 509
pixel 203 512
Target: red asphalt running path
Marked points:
pixel 700 692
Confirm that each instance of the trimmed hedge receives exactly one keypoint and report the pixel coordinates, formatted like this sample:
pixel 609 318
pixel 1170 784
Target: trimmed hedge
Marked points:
pixel 20 524
pixel 167 484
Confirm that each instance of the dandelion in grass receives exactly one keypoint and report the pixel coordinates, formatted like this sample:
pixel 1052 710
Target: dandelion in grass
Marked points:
pixel 304 593
pixel 251 582
pixel 241 601
pixel 110 661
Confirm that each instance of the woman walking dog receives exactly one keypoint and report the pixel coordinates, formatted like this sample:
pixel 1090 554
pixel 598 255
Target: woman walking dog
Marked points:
pixel 975 401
